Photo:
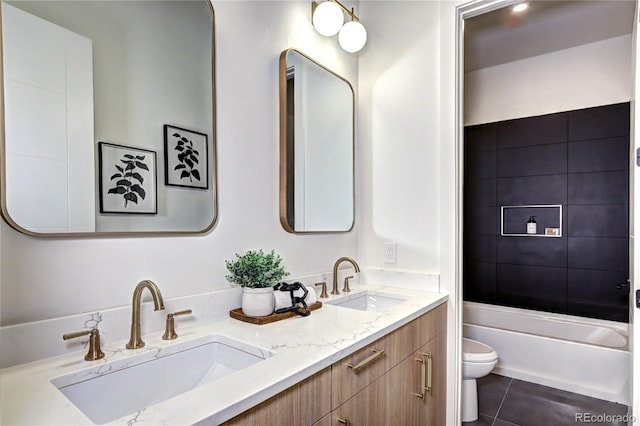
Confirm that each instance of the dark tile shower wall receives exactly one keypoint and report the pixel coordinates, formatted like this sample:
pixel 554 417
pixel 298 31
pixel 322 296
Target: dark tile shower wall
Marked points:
pixel 578 159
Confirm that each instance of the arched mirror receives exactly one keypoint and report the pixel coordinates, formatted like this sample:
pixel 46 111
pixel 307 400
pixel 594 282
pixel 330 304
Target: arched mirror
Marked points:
pixel 316 147
pixel 108 117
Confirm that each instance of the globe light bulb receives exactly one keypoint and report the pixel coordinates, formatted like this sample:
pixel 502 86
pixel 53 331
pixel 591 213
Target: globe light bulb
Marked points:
pixel 352 37
pixel 328 18
pixel 521 7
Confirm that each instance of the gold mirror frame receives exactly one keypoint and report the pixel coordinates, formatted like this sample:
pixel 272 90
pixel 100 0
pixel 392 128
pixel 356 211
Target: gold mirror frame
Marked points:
pixel 286 158
pixel 213 169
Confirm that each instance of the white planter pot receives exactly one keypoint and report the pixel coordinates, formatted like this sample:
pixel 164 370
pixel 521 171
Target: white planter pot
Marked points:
pixel 258 302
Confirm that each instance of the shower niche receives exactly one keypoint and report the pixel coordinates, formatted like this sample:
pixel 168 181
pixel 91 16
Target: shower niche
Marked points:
pixel 514 220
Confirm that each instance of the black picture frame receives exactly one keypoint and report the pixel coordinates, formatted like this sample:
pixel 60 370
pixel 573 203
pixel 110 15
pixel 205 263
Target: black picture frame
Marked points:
pixel 127 179
pixel 186 158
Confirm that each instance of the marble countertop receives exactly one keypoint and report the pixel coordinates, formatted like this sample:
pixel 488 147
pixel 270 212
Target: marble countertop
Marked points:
pixel 295 349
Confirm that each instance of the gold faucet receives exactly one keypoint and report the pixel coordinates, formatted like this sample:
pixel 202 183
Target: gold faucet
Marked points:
pixel 135 341
pixel 334 290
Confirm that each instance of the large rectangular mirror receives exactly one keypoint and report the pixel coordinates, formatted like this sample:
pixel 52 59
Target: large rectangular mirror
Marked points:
pixel 316 147
pixel 108 117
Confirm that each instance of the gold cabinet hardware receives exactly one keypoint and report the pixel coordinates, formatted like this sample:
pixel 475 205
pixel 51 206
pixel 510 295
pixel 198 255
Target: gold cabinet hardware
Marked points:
pixel 426 359
pixel 324 293
pixel 346 288
pixel 94 352
pixel 170 328
pixel 345 421
pixel 377 353
pixel 429 386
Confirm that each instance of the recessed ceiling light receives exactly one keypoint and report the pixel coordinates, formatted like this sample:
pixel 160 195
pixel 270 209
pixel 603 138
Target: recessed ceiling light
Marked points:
pixel 521 7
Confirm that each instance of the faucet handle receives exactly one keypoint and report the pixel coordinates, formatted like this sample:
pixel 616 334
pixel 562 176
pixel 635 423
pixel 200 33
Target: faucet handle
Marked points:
pixel 170 329
pixel 346 288
pixel 94 352
pixel 324 293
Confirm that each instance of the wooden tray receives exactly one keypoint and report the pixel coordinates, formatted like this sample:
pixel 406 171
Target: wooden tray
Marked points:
pixel 239 315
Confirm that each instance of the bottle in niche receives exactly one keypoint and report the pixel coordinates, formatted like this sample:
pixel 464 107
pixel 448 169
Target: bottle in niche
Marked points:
pixel 531 225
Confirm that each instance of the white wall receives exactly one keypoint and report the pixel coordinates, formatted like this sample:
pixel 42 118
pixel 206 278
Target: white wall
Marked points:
pixel 407 185
pixel 46 278
pixel 399 128
pixel 585 76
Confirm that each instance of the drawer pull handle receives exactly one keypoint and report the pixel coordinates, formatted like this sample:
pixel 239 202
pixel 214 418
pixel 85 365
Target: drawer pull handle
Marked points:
pixel 377 353
pixel 427 373
pixel 344 421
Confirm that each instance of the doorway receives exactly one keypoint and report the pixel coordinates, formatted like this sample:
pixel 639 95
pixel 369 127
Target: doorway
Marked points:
pixel 522 86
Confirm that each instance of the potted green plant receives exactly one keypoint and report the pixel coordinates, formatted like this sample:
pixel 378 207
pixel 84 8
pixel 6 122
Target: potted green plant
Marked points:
pixel 256 272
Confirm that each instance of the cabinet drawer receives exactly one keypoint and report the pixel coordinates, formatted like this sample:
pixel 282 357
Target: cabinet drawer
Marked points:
pixel 372 363
pixel 431 324
pixel 399 396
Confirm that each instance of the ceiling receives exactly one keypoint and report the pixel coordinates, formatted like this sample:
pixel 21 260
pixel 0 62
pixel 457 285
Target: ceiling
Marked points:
pixel 546 26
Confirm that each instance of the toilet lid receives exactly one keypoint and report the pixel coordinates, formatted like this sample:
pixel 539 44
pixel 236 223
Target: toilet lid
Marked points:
pixel 473 351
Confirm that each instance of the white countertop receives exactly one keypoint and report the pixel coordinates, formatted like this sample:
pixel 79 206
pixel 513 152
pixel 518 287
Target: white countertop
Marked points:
pixel 302 346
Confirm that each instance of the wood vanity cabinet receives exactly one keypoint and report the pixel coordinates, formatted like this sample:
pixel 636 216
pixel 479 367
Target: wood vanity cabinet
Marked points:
pixel 377 385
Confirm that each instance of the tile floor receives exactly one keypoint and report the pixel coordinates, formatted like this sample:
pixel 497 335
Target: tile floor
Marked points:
pixel 503 401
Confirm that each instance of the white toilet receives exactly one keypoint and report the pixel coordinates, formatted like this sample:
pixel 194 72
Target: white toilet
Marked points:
pixel 478 360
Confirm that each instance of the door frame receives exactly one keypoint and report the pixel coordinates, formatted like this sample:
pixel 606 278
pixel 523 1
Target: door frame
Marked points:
pixel 634 217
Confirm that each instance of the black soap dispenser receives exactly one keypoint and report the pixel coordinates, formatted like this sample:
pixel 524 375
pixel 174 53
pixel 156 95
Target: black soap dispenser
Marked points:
pixel 531 225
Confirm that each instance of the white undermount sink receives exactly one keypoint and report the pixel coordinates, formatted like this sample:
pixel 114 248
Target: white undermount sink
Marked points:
pixel 111 390
pixel 369 301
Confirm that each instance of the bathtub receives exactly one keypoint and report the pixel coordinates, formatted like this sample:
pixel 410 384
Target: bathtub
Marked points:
pixel 576 354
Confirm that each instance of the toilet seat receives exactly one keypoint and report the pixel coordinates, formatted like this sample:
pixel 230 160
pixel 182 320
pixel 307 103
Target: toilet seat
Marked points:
pixel 473 351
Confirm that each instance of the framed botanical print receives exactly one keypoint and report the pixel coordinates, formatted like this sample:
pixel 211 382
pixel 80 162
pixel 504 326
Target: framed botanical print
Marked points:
pixel 185 158
pixel 127 179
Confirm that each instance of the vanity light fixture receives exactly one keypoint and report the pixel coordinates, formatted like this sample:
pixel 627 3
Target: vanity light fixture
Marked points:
pixel 328 20
pixel 520 7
